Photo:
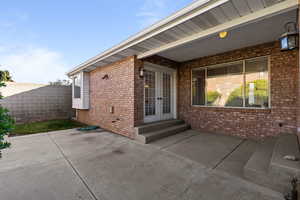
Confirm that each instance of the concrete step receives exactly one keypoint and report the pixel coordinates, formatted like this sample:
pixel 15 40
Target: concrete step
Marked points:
pixel 157 126
pixel 268 167
pixel 158 134
pixel 283 170
pixel 257 167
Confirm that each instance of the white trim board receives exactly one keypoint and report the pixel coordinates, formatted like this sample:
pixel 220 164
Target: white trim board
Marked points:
pixel 194 9
pixel 176 20
pixel 279 8
pixel 159 68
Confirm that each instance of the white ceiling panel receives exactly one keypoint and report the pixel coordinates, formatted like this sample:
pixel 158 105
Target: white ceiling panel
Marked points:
pixel 270 2
pixel 193 26
pixel 111 59
pixel 255 5
pixel 171 33
pixel 128 52
pixel 230 11
pixel 92 67
pixel 138 48
pixel 242 7
pixel 180 33
pixel 218 13
pixel 201 22
pixel 165 37
pixel 210 18
pixel 119 56
pixel 101 63
pixel 205 20
pixel 248 35
pixel 186 29
pixel 156 42
pixel 147 45
pixel 179 38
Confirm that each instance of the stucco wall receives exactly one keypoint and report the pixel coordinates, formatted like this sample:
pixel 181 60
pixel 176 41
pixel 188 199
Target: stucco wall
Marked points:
pixel 39 103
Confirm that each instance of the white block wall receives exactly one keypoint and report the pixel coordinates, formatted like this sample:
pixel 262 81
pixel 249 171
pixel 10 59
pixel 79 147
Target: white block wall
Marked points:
pixel 40 104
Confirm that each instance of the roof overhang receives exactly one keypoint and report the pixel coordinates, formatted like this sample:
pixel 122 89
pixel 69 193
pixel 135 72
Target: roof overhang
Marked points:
pixel 198 21
pixel 264 31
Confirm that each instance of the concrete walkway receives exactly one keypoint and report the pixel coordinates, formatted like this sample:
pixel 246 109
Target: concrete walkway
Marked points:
pixel 221 152
pixel 101 165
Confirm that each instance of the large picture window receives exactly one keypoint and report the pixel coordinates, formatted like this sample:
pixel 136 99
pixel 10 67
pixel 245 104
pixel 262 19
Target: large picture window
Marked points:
pixel 238 84
pixel 77 87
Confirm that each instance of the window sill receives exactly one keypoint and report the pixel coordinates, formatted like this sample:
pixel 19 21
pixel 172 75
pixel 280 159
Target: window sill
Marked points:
pixel 236 109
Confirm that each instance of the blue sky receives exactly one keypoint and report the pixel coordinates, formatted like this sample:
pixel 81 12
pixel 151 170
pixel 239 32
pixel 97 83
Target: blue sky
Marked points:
pixel 41 40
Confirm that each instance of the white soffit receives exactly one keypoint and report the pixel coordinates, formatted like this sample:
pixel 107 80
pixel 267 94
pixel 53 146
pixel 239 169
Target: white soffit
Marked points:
pixel 267 30
pixel 200 20
pixel 237 20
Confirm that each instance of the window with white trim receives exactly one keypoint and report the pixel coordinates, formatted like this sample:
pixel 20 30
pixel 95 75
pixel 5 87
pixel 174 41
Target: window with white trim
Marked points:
pixel 77 87
pixel 238 84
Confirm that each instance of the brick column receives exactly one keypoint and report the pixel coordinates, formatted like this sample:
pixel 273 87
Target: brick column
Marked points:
pixel 298 85
pixel 138 93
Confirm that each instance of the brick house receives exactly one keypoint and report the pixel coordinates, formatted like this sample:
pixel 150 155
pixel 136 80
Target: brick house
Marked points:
pixel 217 65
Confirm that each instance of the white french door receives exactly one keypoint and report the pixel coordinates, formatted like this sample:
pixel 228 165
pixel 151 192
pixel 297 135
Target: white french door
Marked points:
pixel 159 94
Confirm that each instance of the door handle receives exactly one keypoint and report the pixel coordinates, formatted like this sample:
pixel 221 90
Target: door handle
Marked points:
pixel 159 98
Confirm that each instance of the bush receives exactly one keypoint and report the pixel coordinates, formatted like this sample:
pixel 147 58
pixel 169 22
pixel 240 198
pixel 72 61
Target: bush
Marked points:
pixel 6 125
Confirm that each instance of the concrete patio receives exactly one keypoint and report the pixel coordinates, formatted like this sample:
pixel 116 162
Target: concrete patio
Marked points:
pixel 101 165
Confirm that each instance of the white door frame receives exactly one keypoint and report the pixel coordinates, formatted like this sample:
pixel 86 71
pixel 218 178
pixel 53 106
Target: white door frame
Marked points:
pixel 173 72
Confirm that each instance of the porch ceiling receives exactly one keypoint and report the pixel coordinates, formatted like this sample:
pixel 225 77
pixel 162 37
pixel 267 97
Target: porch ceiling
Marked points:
pixel 267 30
pixel 191 32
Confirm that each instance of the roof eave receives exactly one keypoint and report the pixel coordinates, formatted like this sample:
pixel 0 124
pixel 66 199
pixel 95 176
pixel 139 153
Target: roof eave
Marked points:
pixel 181 16
pixel 171 21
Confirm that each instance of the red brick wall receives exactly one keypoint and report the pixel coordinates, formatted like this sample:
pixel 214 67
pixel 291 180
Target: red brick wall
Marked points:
pixel 116 91
pixel 139 84
pixel 298 82
pixel 254 123
pixel 138 94
pixel 124 89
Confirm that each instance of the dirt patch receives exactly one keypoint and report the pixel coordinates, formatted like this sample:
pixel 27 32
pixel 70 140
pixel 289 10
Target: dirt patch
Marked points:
pixel 89 139
pixel 118 151
pixel 110 154
pixel 87 132
pixel 79 133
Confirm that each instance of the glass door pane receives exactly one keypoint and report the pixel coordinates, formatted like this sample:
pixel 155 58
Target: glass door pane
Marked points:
pixel 166 93
pixel 150 90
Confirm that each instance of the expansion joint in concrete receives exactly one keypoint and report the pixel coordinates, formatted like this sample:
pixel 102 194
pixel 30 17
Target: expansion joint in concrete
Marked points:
pixel 74 169
pixel 227 155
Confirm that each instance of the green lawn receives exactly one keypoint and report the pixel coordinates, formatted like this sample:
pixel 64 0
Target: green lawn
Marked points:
pixel 46 126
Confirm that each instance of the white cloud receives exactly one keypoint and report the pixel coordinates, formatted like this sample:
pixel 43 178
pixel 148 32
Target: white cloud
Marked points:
pixel 152 11
pixel 27 63
pixel 32 64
